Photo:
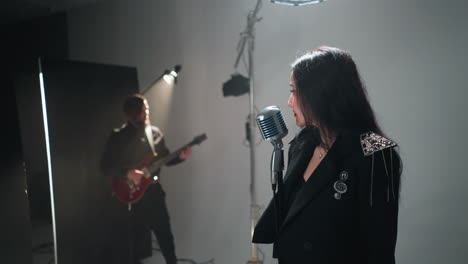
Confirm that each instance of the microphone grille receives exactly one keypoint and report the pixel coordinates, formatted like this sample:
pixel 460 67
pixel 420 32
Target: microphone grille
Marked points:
pixel 272 125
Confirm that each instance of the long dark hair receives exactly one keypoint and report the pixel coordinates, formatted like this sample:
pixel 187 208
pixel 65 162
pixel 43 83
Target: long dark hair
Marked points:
pixel 331 95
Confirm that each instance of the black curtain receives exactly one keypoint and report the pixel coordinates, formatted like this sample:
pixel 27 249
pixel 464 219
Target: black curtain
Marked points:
pixel 15 241
pixel 24 187
pixel 84 103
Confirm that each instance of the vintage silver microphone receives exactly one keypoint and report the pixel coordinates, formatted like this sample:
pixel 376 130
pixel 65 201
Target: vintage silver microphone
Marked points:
pixel 272 126
pixel 273 129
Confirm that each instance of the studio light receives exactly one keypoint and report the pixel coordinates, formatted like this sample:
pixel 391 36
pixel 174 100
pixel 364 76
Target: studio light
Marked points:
pixel 167 79
pixel 170 76
pixel 236 86
pixel 297 2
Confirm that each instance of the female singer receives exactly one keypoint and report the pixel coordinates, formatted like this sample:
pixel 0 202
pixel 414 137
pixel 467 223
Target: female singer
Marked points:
pixel 339 201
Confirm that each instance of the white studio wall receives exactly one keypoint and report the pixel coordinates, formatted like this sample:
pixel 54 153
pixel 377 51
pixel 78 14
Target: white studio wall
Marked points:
pixel 411 55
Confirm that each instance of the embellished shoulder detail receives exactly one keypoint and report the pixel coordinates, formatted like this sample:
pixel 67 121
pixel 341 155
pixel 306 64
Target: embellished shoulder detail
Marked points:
pixel 373 145
pixel 372 142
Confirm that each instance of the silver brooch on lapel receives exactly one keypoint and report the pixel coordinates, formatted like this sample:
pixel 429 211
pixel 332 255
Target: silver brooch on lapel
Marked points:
pixel 340 185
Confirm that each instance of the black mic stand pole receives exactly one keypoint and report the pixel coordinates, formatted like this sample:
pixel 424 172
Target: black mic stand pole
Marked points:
pixel 277 166
pixel 248 37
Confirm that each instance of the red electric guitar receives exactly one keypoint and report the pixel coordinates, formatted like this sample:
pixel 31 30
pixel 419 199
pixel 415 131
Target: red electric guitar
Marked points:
pixel 128 192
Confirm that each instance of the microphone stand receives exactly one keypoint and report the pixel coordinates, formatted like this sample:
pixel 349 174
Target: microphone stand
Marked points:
pixel 277 166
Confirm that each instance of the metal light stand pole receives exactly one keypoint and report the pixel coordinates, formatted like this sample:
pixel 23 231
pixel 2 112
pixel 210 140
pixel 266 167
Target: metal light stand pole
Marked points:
pixel 248 36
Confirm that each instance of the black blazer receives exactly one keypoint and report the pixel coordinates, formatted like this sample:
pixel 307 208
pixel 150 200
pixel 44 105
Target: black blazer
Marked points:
pixel 322 225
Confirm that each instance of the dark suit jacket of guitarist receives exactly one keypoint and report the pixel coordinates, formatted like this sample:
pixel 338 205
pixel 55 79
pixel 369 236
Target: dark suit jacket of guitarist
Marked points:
pixel 346 212
pixel 126 147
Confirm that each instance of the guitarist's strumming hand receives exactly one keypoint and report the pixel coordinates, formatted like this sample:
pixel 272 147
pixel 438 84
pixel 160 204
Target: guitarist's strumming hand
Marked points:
pixel 135 175
pixel 185 153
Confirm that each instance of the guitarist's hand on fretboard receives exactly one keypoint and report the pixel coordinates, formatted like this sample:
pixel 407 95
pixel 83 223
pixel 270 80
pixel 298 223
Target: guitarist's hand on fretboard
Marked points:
pixel 184 154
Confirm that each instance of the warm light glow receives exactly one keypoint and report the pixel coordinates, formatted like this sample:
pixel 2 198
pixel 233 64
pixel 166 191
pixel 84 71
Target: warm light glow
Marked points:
pixel 169 78
pixel 160 95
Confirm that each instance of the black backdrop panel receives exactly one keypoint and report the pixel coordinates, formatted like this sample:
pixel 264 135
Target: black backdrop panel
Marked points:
pixel 15 238
pixel 84 103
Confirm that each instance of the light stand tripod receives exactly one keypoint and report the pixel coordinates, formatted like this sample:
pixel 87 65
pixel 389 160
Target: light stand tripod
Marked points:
pixel 248 38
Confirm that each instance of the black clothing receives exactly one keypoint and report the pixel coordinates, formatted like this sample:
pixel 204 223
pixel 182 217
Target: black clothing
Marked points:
pixel 125 148
pixel 321 225
pixel 292 196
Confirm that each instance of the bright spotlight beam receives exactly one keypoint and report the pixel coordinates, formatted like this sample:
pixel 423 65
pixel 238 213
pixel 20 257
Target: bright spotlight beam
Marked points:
pixel 169 77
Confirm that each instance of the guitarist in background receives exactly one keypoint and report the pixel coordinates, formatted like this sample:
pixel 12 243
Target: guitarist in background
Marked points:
pixel 127 146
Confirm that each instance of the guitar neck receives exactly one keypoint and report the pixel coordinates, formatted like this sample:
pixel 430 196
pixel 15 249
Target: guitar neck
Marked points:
pixel 157 164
